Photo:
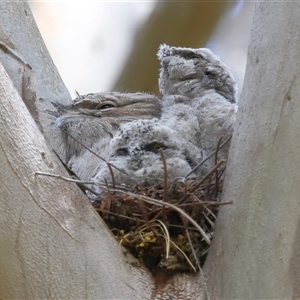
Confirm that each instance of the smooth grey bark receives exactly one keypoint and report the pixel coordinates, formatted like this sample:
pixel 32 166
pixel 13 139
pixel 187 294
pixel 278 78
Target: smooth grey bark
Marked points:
pixel 26 60
pixel 52 242
pixel 256 250
pixel 53 245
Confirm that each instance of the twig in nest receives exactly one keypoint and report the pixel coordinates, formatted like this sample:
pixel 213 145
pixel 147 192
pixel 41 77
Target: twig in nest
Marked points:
pixel 64 178
pixel 208 174
pixel 145 216
pixel 135 216
pixel 165 182
pixel 80 182
pixel 205 202
pixel 117 214
pixel 161 203
pixel 216 161
pixel 144 198
pixel 197 261
pixel 112 175
pixel 207 158
pixel 193 250
pixel 202 180
pixel 185 256
pixel 93 152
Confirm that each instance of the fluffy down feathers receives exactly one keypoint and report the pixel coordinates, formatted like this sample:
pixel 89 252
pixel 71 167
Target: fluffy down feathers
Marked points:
pixel 130 129
pixel 199 97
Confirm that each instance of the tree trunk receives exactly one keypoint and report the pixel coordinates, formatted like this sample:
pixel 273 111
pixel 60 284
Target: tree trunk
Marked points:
pixel 30 67
pixel 54 245
pixel 256 249
pixel 52 242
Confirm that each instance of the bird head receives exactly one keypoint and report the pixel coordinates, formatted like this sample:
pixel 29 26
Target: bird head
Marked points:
pixel 193 72
pixel 95 117
pixel 137 148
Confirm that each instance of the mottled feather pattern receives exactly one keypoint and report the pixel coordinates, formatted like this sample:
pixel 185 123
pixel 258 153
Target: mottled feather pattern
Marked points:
pixel 129 130
pixel 135 149
pixel 93 119
pixel 196 83
pixel 193 73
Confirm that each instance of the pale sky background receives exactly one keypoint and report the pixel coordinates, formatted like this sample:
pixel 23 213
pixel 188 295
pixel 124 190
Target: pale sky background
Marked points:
pixel 89 41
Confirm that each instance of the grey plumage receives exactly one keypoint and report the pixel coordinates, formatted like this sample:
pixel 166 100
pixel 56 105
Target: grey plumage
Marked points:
pixel 194 73
pixel 129 130
pixel 199 97
pixel 93 119
pixel 135 149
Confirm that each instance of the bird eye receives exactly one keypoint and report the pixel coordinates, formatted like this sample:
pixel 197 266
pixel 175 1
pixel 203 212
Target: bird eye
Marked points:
pixel 190 162
pixel 122 152
pixel 194 56
pixel 154 147
pixel 209 72
pixel 105 106
pixel 191 55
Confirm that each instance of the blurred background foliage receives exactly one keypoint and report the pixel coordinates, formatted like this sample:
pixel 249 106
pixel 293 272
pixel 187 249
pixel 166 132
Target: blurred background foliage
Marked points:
pixel 103 46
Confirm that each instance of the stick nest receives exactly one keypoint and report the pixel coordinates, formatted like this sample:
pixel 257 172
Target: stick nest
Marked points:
pixel 169 225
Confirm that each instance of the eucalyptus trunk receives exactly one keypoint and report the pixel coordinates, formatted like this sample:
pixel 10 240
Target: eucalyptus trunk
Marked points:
pixel 54 245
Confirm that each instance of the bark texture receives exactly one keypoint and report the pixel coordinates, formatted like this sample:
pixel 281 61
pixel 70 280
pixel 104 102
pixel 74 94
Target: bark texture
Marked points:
pixel 52 242
pixel 256 249
pixel 30 67
pixel 53 245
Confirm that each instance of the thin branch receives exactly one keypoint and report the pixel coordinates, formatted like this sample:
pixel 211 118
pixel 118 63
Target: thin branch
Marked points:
pixel 192 247
pixel 216 161
pixel 165 182
pixel 161 203
pixel 64 178
pixel 93 152
pixel 207 158
pixel 205 203
pixel 112 175
pixel 165 175
pixel 208 174
pixel 202 180
pixel 144 198
pixel 107 186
